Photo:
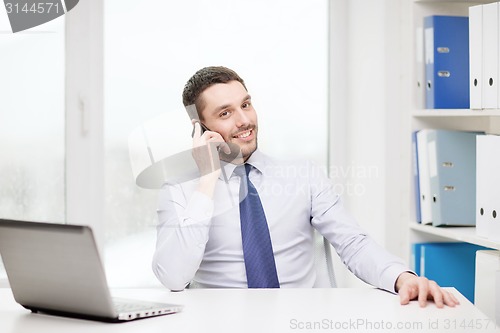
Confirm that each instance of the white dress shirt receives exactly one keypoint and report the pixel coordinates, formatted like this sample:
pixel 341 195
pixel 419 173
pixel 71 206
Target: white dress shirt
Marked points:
pixel 199 239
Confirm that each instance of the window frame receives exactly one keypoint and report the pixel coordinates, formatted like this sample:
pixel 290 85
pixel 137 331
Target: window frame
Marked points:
pixel 84 124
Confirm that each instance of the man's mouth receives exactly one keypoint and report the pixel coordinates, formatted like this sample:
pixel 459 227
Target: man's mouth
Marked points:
pixel 243 135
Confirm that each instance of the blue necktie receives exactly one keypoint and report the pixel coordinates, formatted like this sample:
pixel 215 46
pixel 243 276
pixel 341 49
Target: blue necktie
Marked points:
pixel 257 247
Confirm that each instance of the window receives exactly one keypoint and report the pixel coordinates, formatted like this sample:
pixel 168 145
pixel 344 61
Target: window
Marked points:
pixel 280 48
pixel 32 185
pixel 151 48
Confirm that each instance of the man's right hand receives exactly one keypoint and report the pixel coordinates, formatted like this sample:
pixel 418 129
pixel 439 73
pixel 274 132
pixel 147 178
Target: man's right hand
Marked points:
pixel 206 155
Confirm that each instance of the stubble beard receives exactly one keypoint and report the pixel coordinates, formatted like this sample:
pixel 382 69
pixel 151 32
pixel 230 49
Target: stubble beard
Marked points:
pixel 248 148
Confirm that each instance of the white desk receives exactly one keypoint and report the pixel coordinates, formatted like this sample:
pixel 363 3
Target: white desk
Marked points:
pixel 285 310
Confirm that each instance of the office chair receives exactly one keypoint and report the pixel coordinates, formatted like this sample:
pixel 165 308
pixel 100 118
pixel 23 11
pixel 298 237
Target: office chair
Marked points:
pixel 323 263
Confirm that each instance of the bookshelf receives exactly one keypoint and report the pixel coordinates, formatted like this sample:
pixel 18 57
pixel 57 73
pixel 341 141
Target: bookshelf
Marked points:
pixel 487 121
pixel 459 234
pixel 453 119
pixel 454 113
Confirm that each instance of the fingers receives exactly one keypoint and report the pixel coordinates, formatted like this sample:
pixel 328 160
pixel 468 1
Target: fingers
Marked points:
pixel 408 289
pixel 437 293
pixel 215 141
pixel 205 149
pixel 224 147
pixel 423 291
pixel 450 299
pixel 404 295
pixel 201 138
pixel 441 297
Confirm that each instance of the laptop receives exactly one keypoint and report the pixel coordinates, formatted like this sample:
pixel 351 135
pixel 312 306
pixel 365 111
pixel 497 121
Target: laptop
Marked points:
pixel 56 269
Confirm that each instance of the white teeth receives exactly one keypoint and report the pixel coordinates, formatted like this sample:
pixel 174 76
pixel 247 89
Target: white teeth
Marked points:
pixel 244 135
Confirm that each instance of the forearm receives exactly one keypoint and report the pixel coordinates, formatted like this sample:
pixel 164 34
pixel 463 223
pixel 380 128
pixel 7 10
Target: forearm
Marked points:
pixel 374 265
pixel 182 235
pixel 178 255
pixel 358 251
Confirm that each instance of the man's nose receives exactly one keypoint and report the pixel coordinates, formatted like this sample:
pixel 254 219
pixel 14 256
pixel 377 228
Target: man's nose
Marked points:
pixel 242 118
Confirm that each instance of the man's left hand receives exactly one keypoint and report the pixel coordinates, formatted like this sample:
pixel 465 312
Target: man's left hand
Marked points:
pixel 410 287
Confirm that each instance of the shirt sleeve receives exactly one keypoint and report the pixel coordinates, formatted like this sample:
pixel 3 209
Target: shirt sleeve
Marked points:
pixel 357 250
pixel 182 234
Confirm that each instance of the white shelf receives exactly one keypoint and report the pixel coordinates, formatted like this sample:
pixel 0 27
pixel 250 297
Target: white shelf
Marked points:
pixel 455 113
pixel 461 234
pixel 453 2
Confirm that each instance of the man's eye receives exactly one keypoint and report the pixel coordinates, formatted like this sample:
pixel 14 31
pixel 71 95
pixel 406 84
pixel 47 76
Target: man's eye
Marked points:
pixel 224 114
pixel 245 105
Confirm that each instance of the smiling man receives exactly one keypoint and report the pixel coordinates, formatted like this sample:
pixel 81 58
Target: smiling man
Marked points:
pixel 251 225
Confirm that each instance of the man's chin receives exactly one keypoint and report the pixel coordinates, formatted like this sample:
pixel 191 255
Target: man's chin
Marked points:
pixel 245 152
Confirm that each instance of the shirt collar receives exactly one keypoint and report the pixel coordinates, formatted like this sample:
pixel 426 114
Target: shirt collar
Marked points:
pixel 258 160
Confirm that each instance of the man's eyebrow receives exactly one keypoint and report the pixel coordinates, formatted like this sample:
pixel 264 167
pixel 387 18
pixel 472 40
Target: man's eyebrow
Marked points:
pixel 225 106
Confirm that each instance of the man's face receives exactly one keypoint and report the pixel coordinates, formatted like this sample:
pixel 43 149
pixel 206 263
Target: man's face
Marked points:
pixel 228 110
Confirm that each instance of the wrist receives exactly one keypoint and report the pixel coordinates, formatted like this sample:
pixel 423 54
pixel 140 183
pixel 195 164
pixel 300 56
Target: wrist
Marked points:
pixel 402 278
pixel 207 183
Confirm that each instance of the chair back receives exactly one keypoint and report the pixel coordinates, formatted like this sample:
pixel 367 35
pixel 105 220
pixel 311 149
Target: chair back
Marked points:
pixel 325 277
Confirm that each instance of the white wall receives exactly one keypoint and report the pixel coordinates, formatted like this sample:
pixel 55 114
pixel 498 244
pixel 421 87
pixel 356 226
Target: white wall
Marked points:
pixel 367 119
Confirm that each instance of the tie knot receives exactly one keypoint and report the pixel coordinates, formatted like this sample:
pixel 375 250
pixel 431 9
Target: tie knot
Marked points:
pixel 243 170
pixel 248 167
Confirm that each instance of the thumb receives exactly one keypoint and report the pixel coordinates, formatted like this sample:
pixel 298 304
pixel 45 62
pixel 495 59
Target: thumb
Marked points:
pixel 404 297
